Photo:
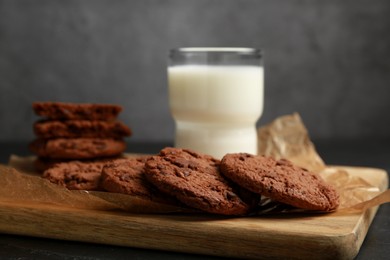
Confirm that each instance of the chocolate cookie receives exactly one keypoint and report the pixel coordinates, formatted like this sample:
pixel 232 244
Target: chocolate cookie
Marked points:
pixel 127 176
pixel 80 128
pixel 280 180
pixel 76 175
pixel 41 164
pixel 74 111
pixel 194 179
pixel 77 148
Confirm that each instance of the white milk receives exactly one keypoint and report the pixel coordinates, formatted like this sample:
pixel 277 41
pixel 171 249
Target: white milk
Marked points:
pixel 216 107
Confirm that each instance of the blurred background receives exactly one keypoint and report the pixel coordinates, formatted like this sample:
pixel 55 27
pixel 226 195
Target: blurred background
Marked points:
pixel 327 60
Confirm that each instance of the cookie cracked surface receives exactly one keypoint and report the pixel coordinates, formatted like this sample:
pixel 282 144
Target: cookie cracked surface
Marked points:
pixel 127 176
pixel 281 181
pixel 195 180
pixel 75 175
pixel 77 148
pixel 74 111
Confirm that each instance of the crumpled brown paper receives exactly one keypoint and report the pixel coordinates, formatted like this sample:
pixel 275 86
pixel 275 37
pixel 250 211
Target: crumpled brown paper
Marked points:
pixel 352 189
pixel 285 137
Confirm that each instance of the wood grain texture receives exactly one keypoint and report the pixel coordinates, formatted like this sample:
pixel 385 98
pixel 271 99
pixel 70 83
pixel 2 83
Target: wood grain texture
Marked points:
pixel 296 236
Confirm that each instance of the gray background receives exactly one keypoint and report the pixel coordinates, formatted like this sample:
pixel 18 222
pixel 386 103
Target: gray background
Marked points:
pixel 328 60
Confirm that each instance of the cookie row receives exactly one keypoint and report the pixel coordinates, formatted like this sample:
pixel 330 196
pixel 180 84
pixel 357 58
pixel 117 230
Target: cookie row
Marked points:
pixel 232 186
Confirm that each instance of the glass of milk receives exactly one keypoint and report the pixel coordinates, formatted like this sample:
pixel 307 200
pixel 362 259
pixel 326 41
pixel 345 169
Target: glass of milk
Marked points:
pixel 216 98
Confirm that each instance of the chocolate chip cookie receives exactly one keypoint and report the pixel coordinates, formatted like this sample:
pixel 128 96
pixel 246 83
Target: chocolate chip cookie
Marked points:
pixel 77 148
pixel 127 176
pixel 80 128
pixel 75 111
pixel 280 180
pixel 195 180
pixel 41 164
pixel 76 175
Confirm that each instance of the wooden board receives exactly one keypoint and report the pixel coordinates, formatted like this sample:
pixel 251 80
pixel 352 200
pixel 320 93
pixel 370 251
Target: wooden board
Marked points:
pixel 296 236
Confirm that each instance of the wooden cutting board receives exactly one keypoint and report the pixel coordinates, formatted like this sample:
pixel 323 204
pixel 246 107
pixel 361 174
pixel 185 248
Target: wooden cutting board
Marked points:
pixel 294 236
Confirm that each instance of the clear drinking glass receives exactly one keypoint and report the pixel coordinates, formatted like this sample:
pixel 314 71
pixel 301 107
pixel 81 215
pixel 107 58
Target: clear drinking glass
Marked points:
pixel 216 98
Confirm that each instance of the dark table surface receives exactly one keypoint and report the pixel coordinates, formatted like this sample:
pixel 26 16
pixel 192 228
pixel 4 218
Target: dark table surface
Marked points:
pixel 352 153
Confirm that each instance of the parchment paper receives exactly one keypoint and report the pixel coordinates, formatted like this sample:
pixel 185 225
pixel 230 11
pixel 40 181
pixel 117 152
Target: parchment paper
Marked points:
pixel 287 137
pixel 21 183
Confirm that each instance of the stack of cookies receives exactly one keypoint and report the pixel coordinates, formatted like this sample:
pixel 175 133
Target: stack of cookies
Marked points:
pixel 84 132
